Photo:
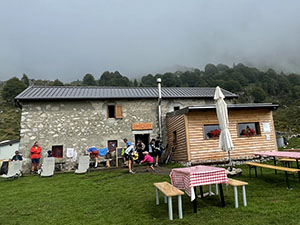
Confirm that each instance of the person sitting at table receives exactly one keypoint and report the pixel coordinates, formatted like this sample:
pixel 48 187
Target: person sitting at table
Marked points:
pixel 93 152
pixel 17 157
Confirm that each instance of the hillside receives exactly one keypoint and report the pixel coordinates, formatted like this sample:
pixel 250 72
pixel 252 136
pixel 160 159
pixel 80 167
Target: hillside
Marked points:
pixel 9 121
pixel 251 84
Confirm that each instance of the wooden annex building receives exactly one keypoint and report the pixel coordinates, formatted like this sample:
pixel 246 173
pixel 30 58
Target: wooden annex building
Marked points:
pixel 193 132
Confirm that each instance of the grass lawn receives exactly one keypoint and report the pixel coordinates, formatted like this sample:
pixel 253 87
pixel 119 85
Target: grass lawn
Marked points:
pixel 115 197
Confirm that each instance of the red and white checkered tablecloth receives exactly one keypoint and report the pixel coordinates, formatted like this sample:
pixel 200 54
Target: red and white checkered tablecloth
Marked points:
pixel 187 178
pixel 286 154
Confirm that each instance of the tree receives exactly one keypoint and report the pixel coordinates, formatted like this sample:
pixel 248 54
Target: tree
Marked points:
pixel 89 80
pixel 25 80
pixel 189 79
pixel 135 83
pixel 114 79
pixel 148 81
pixel 258 94
pixel 11 89
pixel 57 82
pixel 222 67
pixel 210 69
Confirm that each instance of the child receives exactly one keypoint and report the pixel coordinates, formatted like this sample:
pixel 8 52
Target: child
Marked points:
pixel 149 160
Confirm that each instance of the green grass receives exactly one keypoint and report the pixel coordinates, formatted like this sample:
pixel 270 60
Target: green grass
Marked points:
pixel 294 143
pixel 115 197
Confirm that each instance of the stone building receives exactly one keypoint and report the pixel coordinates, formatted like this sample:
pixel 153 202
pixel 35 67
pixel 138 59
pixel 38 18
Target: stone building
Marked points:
pixel 77 117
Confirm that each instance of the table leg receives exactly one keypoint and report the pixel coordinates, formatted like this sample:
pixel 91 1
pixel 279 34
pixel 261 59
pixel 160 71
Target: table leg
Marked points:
pixel 195 200
pixel 180 207
pixel 165 197
pixel 275 164
pixel 236 202
pixel 170 208
pixel 157 197
pixel 297 162
pixel 222 195
pixel 244 195
pixel 201 192
pixel 217 190
pixel 209 189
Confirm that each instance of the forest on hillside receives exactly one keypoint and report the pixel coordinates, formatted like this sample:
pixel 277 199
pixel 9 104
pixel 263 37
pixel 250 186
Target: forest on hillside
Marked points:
pixel 251 84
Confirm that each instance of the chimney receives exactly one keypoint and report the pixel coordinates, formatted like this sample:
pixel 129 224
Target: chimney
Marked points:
pixel 159 107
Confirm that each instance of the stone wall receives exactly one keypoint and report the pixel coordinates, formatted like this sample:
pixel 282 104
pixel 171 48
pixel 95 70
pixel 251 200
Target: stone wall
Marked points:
pixel 78 124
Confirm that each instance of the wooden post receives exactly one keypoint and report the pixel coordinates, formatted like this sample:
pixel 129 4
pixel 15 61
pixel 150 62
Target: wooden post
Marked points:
pixel 117 158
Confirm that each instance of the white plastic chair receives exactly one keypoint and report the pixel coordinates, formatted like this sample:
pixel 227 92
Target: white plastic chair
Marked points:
pixel 14 170
pixel 48 167
pixel 83 164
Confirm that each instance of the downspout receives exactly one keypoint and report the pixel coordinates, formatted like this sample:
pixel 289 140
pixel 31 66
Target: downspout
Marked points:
pixel 159 107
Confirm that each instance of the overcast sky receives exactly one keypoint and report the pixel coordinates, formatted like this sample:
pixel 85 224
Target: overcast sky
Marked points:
pixel 66 39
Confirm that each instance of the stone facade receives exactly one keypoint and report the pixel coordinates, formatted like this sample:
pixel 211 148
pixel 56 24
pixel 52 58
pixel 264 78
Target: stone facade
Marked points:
pixel 78 124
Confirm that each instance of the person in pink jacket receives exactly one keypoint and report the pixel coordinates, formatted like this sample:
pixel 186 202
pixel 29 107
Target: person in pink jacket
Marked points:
pixel 148 159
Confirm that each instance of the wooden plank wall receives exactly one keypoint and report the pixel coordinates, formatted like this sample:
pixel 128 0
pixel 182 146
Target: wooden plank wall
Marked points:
pixel 203 150
pixel 177 123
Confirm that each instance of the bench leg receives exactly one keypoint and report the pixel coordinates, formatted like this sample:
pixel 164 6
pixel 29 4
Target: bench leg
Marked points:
pixel 217 189
pixel 275 164
pixel 170 208
pixel 297 162
pixel 180 207
pixel 287 180
pixel 157 196
pixel 255 171
pixel 250 171
pixel 165 197
pixel 244 195
pixel 236 202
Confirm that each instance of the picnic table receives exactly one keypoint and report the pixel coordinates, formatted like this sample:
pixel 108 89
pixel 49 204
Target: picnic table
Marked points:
pixel 284 154
pixel 191 177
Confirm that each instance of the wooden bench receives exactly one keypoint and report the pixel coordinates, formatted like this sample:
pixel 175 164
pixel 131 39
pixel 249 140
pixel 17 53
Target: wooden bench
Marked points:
pixel 169 191
pixel 287 161
pixel 235 184
pixel 280 168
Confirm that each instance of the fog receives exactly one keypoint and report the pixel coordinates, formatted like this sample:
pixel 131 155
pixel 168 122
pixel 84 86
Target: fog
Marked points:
pixel 66 39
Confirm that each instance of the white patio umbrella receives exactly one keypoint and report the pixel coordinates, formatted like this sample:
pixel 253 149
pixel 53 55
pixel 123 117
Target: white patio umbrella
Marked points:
pixel 225 141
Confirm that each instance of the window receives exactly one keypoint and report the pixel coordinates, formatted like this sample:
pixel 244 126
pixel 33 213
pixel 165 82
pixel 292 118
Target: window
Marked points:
pixel 212 131
pixel 248 129
pixel 112 145
pixel 114 111
pixel 57 151
pixel 176 108
pixel 111 111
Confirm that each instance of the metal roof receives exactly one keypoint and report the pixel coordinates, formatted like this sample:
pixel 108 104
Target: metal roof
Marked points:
pixel 229 106
pixel 99 92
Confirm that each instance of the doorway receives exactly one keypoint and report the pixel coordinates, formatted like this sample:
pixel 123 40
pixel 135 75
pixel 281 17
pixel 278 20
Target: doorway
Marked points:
pixel 145 139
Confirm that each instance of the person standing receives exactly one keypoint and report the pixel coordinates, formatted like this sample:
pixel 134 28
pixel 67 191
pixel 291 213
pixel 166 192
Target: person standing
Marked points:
pixel 140 147
pixel 35 156
pixel 128 155
pixel 158 150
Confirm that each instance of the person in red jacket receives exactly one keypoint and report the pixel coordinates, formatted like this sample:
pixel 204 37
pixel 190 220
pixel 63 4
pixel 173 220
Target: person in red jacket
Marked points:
pixel 35 156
